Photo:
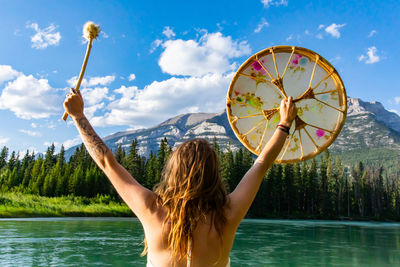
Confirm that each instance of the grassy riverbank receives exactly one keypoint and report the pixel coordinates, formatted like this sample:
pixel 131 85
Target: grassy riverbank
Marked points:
pixel 20 205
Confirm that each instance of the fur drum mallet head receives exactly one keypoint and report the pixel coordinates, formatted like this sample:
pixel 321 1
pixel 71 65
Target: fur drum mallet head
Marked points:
pixel 90 30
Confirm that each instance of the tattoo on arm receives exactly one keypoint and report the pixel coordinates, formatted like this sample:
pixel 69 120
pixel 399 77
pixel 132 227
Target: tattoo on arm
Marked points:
pixel 93 142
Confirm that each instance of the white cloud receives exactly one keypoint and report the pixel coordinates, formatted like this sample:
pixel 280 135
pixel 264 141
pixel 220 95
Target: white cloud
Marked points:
pixel 372 33
pixel 30 133
pixel 89 111
pixel 44 37
pixel 319 36
pixel 47 143
pixel 51 125
pixel 261 25
pixel 371 57
pixel 131 77
pixel 168 32
pixel 220 28
pixel 4 140
pixel 335 59
pixel 104 35
pixel 361 57
pixel 321 26
pixel 34 125
pixel 333 29
pixel 29 98
pixel 156 43
pixel 93 96
pixel 162 100
pixel 397 100
pixel 93 81
pixel 289 38
pixel 268 3
pixel 7 73
pixel 207 62
pixel 211 54
pixel 72 142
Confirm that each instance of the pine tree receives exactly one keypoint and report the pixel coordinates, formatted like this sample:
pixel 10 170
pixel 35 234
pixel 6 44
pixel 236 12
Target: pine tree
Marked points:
pixel 3 157
pixel 287 177
pixel 297 183
pixel 227 168
pixel 152 171
pixel 162 154
pixel 120 155
pixel 133 162
pixel 303 194
pixel 38 185
pixel 339 178
pixel 216 147
pixel 278 189
pixel 61 157
pixel 75 183
pixel 90 179
pixel 12 178
pixel 49 158
pixel 312 187
pixel 238 169
pixel 12 162
pixel 49 184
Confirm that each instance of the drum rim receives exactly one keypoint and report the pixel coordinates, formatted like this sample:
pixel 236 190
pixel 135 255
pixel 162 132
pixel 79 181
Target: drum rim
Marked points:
pixel 323 63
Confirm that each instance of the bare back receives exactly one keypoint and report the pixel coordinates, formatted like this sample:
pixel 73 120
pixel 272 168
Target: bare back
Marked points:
pixel 207 248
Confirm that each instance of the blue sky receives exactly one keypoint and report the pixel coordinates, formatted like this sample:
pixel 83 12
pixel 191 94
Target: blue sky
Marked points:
pixel 158 59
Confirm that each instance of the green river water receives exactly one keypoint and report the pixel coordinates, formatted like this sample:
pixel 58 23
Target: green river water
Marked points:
pixel 118 242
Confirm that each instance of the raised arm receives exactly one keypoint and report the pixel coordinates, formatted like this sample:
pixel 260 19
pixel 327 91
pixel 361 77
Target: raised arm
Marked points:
pixel 245 192
pixel 137 197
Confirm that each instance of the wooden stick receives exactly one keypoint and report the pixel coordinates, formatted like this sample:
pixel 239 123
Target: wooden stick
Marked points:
pixel 78 84
pixel 90 32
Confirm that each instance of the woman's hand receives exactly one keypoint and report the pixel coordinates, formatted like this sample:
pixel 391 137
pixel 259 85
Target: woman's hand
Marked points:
pixel 288 111
pixel 73 104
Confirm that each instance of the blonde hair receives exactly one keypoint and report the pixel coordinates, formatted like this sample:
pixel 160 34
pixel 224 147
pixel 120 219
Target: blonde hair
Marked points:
pixel 191 188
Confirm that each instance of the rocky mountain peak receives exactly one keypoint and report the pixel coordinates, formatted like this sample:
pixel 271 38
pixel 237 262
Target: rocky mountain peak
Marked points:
pixel 356 106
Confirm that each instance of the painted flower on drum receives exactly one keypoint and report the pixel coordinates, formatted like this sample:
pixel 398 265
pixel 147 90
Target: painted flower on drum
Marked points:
pixel 257 67
pixel 295 60
pixel 299 60
pixel 319 133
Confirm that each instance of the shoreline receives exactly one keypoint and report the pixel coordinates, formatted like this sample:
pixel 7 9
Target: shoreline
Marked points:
pixel 20 205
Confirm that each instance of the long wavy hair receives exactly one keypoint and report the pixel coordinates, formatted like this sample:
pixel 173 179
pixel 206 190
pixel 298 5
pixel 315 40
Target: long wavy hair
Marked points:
pixel 191 188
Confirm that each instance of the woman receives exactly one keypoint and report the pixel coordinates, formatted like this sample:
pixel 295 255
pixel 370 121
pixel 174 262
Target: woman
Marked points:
pixel 189 220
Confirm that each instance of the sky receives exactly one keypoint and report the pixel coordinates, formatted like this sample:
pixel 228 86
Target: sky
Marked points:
pixel 157 59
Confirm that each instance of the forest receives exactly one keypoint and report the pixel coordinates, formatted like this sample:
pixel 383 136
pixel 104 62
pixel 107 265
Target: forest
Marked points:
pixel 320 188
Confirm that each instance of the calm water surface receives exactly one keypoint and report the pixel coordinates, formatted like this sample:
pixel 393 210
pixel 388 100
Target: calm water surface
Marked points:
pixel 118 242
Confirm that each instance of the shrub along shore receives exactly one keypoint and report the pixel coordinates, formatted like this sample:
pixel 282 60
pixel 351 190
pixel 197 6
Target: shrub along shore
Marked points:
pixel 19 205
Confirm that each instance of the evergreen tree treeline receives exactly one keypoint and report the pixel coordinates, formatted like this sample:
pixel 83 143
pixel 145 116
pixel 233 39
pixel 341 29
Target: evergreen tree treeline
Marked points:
pixel 314 189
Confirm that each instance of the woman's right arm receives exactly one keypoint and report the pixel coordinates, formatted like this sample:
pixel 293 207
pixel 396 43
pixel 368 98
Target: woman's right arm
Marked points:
pixel 137 197
pixel 241 198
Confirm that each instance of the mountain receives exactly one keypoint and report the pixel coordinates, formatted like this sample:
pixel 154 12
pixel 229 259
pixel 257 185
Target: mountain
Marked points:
pixel 370 132
pixel 368 125
pixel 177 130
